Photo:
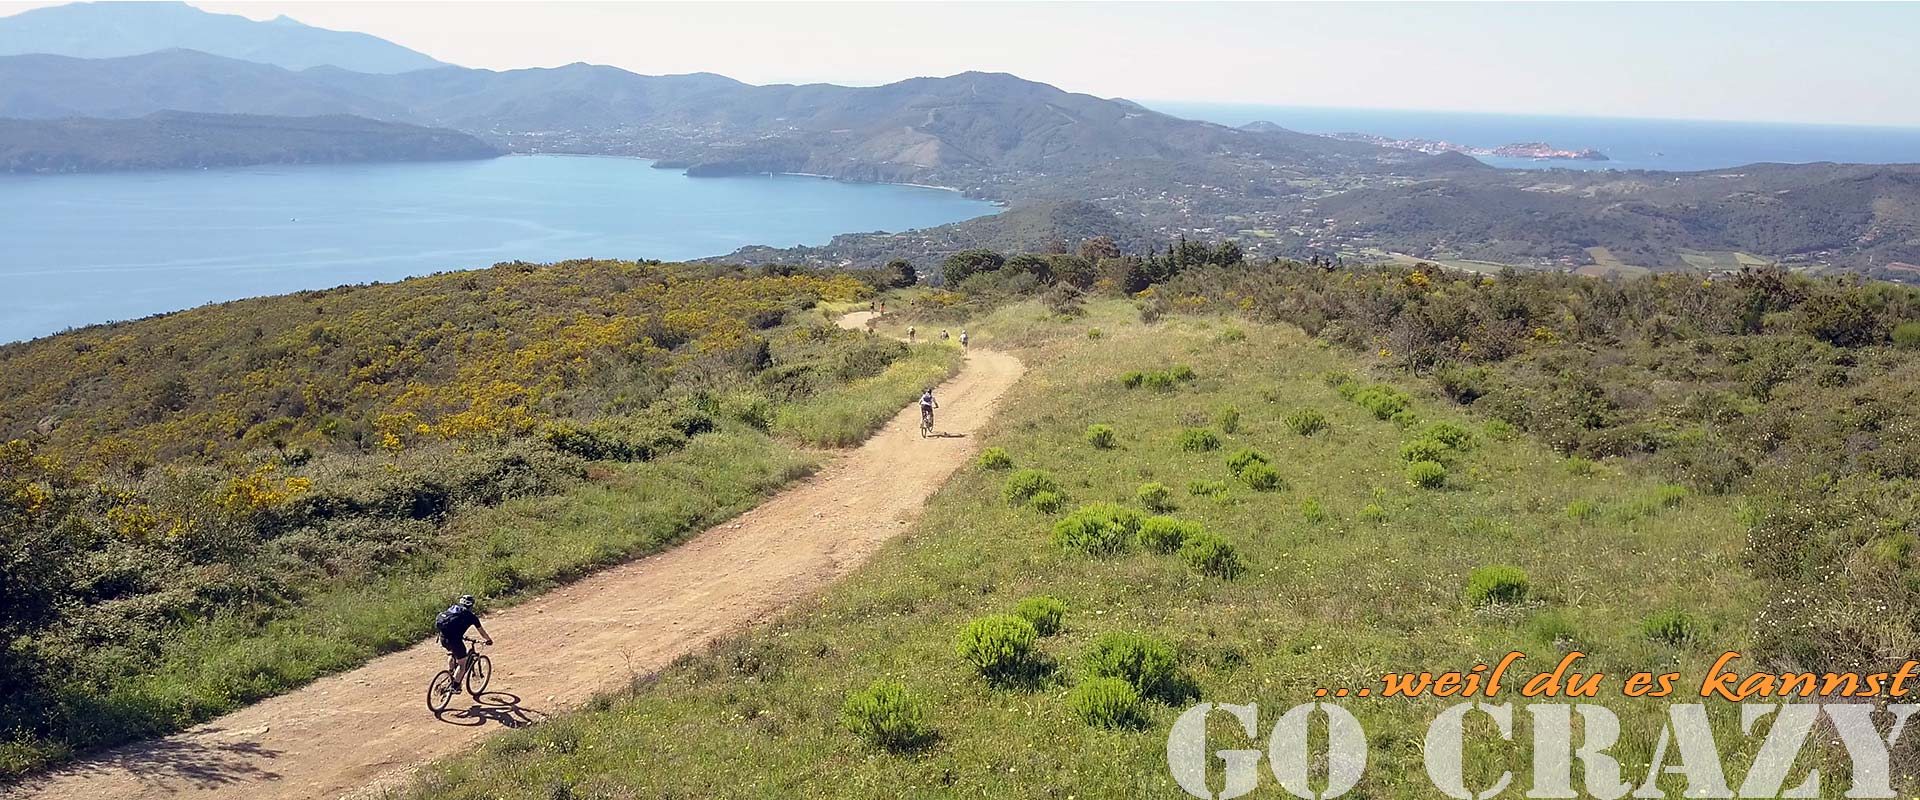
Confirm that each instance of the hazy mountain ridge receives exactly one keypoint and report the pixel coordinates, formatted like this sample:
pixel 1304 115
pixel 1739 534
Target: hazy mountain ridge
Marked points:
pixel 176 139
pixel 113 29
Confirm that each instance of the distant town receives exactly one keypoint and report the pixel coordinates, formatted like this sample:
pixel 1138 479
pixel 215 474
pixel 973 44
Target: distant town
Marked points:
pixel 1534 150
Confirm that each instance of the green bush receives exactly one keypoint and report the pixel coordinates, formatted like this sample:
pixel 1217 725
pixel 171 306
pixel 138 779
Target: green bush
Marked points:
pixel 1372 512
pixel 1046 502
pixel 1213 556
pixel 1023 484
pixel 1671 627
pixel 1581 511
pixel 1181 373
pixel 1497 584
pixel 1306 421
pixel 1227 419
pixel 1383 402
pixel 1451 434
pixel 1132 379
pixel 1166 534
pixel 1158 381
pixel 1427 474
pixel 1107 703
pixel 1202 488
pixel 995 458
pixel 1100 436
pixel 1198 440
pixel 1098 529
pixel 1154 496
pixel 887 717
pixel 1149 665
pixel 1311 512
pixel 1243 458
pixel 1044 612
pixel 998 645
pixel 1261 477
pixel 1422 450
pixel 1576 465
pixel 1094 333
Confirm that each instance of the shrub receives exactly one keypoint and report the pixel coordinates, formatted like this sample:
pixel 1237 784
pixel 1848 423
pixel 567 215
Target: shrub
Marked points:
pixel 1261 477
pixel 1427 474
pixel 1154 496
pixel 1227 419
pixel 1166 534
pixel 1107 703
pixel 1383 401
pixel 1336 378
pixel 1243 458
pixel 1159 381
pixel 1100 436
pixel 1451 434
pixel 1098 529
pixel 1044 612
pixel 1581 511
pixel 1576 465
pixel 1497 584
pixel 1311 512
pixel 1213 556
pixel 1906 335
pixel 1094 334
pixel 998 645
pixel 1422 450
pixel 1306 421
pixel 1197 440
pixel 1133 379
pixel 995 458
pixel 1148 665
pixel 1214 489
pixel 1232 336
pixel 1181 373
pixel 1404 419
pixel 1671 627
pixel 1023 484
pixel 1500 429
pixel 1046 502
pixel 1372 512
pixel 886 716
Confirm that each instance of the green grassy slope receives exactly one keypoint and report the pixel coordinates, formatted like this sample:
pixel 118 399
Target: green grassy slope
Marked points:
pixel 1371 583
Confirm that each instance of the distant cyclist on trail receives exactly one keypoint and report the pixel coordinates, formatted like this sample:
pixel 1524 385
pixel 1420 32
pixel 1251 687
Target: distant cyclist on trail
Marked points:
pixel 909 334
pixel 943 334
pixel 452 625
pixel 927 405
pixel 963 340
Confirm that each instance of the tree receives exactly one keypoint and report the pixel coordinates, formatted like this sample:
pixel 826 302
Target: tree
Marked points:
pixel 967 263
pixel 1074 271
pixel 1036 266
pixel 1228 254
pixel 902 272
pixel 1098 249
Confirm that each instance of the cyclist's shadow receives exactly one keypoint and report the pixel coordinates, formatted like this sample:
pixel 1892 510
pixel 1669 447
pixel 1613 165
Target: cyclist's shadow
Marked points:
pixel 501 708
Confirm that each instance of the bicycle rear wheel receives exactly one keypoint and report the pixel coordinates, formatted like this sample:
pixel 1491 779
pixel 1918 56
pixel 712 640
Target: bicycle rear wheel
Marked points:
pixel 479 671
pixel 440 692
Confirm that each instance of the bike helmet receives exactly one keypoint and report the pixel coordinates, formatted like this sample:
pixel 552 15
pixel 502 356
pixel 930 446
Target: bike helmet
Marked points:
pixel 466 600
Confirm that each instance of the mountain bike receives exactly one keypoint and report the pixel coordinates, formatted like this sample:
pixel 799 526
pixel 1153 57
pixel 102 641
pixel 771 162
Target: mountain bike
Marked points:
pixel 926 423
pixel 479 670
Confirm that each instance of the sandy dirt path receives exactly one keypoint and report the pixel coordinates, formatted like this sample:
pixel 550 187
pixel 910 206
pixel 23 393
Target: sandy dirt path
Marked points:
pixel 368 729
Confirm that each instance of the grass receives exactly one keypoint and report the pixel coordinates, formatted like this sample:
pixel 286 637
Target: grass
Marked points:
pixel 504 553
pixel 1331 602
pixel 846 415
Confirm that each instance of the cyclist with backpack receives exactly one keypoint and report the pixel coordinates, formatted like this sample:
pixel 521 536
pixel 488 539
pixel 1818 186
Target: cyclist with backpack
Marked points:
pixel 452 625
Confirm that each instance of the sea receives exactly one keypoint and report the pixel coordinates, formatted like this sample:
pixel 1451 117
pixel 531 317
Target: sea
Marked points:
pixel 1649 144
pixel 91 248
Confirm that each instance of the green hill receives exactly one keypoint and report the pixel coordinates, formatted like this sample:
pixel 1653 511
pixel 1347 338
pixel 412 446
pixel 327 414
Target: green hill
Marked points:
pixel 181 140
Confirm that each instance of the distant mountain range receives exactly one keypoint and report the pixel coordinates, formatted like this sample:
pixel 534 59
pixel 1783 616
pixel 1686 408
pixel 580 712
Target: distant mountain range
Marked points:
pixel 178 139
pixel 113 29
pixel 1069 165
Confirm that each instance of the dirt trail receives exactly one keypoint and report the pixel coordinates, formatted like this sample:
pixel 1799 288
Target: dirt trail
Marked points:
pixel 369 728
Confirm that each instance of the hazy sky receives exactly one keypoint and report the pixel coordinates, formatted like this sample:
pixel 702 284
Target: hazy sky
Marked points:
pixel 1818 62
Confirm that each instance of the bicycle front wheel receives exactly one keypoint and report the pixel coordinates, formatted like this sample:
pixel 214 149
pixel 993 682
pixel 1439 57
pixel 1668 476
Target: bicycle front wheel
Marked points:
pixel 440 692
pixel 478 673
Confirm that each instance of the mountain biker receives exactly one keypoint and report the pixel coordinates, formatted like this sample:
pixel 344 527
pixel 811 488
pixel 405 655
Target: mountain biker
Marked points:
pixel 927 405
pixel 943 334
pixel 963 340
pixel 909 334
pixel 452 625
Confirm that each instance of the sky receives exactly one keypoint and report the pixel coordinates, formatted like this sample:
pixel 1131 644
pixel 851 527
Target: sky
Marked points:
pixel 1835 63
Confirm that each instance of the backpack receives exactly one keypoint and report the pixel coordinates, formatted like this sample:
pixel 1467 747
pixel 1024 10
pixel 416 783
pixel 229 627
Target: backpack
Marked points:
pixel 447 618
